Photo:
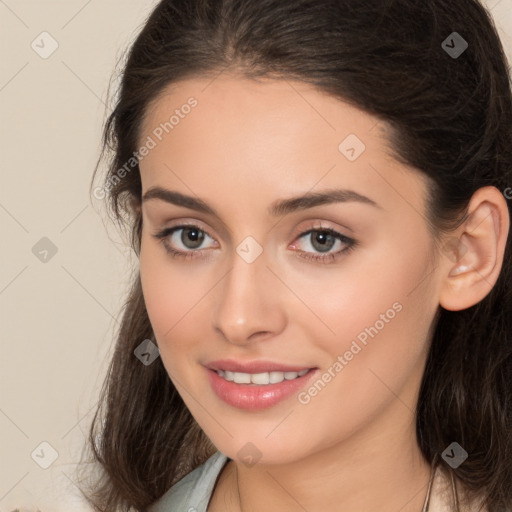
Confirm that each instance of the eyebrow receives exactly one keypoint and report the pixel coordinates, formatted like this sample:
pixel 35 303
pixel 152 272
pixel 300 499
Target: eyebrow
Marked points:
pixel 277 208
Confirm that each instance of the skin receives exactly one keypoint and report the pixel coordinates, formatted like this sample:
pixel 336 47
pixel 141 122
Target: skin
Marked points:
pixel 245 145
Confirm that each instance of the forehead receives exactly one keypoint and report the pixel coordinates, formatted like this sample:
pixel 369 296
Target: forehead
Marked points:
pixel 283 136
pixel 263 109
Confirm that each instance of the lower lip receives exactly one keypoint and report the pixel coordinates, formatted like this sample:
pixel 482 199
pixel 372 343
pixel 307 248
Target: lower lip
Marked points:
pixel 253 397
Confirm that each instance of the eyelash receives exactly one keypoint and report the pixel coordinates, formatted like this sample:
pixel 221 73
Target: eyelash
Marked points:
pixel 326 259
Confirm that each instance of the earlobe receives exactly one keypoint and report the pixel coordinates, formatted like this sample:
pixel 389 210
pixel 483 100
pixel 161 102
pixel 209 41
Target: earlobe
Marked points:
pixel 474 263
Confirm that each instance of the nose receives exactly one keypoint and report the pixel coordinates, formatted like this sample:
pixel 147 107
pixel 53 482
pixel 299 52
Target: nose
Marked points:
pixel 247 303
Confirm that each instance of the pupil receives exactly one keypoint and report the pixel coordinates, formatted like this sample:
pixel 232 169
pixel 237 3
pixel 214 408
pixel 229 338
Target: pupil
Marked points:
pixel 192 235
pixel 324 238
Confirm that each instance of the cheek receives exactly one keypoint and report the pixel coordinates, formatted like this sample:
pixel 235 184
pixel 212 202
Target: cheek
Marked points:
pixel 375 315
pixel 369 289
pixel 172 295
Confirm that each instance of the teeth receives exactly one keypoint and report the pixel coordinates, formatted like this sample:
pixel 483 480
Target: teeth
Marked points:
pixel 260 378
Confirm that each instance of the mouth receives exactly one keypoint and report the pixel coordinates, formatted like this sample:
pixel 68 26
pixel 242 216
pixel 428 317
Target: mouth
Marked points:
pixel 260 379
pixel 256 390
pixel 254 367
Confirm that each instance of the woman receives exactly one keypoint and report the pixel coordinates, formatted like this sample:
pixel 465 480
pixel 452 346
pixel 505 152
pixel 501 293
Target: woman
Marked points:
pixel 319 197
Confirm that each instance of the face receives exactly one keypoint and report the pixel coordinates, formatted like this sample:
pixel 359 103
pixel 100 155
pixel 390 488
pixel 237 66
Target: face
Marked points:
pixel 345 287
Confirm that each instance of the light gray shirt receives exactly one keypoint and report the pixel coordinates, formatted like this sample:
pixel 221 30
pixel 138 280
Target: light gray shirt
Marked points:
pixel 192 493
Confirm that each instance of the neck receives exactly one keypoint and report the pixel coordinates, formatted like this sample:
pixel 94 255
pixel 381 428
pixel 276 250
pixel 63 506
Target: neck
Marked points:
pixel 380 468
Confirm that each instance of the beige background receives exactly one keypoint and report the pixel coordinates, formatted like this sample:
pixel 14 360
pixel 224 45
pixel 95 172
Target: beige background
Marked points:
pixel 58 316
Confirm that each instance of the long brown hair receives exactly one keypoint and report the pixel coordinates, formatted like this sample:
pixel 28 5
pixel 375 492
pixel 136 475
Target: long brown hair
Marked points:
pixel 450 117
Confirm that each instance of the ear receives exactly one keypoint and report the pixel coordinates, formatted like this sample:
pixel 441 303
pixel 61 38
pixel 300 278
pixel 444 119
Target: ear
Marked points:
pixel 474 254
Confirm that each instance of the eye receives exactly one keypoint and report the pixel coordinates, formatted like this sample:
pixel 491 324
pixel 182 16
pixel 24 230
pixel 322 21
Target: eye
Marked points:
pixel 323 240
pixel 192 237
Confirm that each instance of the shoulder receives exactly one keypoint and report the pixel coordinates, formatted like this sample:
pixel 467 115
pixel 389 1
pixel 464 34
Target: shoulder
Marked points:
pixel 193 491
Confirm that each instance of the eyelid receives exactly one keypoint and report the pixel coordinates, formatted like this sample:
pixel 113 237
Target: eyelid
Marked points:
pixel 318 225
pixel 204 254
pixel 189 223
pixel 313 225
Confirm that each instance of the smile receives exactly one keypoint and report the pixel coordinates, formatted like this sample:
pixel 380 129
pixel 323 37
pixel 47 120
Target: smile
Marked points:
pixel 260 379
pixel 257 391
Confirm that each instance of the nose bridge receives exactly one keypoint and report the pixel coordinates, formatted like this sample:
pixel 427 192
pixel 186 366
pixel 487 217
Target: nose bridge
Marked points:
pixel 245 303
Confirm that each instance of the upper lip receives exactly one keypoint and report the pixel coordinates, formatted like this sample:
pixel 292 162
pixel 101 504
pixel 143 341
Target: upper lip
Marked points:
pixel 253 366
